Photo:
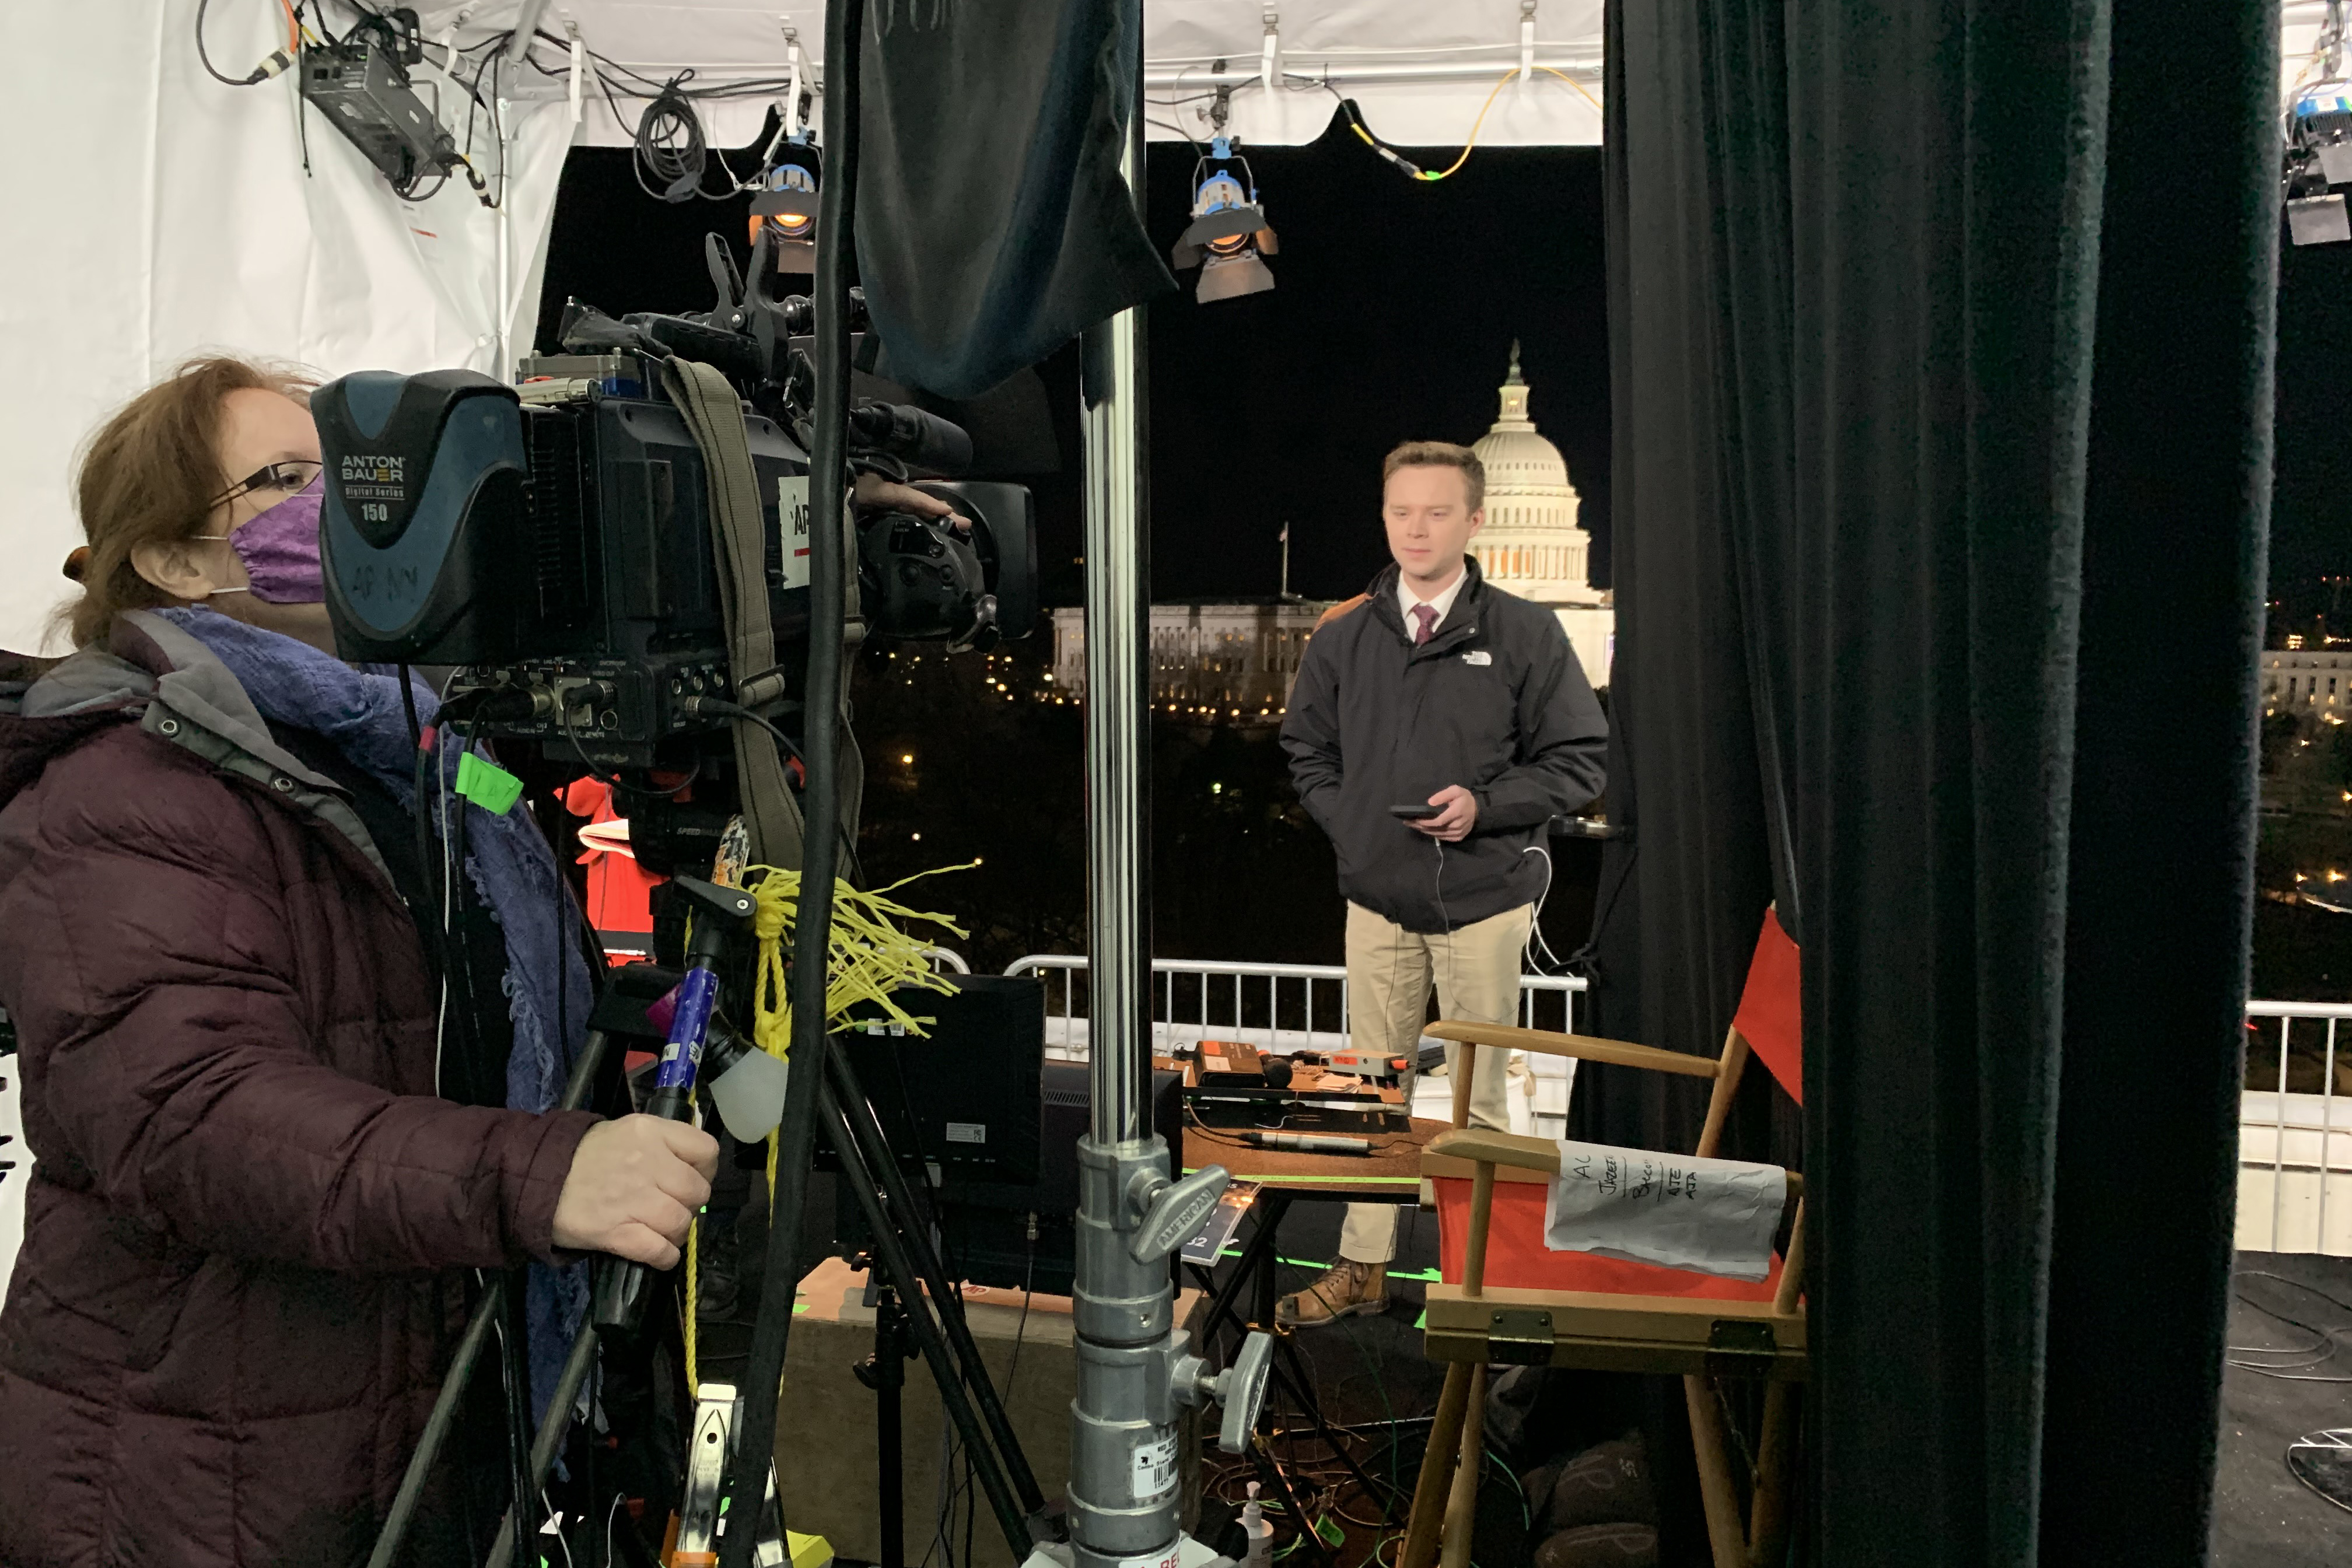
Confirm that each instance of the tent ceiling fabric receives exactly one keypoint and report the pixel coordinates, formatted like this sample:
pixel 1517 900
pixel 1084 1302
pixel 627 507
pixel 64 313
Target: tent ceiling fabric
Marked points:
pixel 184 222
pixel 1362 47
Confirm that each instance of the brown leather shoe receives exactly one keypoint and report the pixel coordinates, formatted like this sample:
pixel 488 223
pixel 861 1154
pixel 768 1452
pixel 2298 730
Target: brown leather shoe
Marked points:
pixel 1349 1288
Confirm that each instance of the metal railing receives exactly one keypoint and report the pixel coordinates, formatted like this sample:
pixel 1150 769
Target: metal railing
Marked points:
pixel 2292 1175
pixel 1281 1006
pixel 2291 1171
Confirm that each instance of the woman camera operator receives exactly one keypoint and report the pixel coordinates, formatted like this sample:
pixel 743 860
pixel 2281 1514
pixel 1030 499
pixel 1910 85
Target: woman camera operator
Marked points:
pixel 285 1068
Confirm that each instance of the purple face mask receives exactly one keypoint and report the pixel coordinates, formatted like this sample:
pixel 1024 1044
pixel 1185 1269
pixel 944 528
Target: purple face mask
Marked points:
pixel 280 548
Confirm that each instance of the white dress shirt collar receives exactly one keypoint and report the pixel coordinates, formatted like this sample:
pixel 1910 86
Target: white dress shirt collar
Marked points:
pixel 1443 603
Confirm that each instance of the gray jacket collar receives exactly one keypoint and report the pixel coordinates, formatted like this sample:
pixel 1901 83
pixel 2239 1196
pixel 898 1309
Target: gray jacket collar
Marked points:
pixel 186 696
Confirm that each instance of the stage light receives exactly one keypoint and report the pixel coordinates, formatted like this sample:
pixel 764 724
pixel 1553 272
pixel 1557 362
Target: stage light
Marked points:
pixel 1228 236
pixel 787 207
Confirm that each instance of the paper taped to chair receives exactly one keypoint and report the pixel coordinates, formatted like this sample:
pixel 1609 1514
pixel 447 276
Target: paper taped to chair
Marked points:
pixel 1715 1216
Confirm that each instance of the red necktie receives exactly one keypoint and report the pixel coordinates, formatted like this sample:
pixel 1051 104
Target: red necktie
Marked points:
pixel 1427 615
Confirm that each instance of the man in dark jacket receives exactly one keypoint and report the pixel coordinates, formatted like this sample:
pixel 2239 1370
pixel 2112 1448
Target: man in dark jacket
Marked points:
pixel 1435 692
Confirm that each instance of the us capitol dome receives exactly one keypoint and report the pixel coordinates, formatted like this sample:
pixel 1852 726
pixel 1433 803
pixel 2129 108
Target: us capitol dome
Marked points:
pixel 1531 545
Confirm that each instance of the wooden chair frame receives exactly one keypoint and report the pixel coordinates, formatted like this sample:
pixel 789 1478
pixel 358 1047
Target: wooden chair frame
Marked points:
pixel 1470 1325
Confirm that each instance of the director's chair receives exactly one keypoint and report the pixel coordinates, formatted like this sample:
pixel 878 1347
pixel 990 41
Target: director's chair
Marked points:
pixel 1503 1297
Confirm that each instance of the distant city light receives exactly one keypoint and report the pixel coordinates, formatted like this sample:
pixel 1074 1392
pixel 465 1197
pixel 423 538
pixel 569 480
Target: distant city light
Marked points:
pixel 1216 789
pixel 907 757
pixel 917 837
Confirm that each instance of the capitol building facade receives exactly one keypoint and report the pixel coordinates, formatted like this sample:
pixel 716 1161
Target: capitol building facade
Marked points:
pixel 1531 545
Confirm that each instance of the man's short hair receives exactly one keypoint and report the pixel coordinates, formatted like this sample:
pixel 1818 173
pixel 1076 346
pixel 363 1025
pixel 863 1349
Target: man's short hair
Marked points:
pixel 1440 455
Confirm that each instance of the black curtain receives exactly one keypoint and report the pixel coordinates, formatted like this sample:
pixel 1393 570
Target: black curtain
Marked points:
pixel 993 225
pixel 1942 344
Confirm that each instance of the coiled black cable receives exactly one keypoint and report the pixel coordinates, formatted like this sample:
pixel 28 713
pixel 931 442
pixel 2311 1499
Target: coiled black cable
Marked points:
pixel 670 146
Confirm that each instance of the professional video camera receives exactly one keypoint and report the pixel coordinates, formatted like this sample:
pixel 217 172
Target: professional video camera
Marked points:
pixel 559 542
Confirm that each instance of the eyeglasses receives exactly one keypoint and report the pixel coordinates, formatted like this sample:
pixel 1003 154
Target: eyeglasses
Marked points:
pixel 289 477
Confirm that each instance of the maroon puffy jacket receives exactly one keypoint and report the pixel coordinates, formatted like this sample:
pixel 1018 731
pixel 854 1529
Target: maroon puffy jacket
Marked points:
pixel 236 1292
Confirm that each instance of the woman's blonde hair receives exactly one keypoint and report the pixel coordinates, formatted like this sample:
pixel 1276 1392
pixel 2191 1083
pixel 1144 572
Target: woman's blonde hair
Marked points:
pixel 151 475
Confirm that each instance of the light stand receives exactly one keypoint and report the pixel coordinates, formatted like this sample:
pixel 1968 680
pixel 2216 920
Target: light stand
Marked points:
pixel 1135 1372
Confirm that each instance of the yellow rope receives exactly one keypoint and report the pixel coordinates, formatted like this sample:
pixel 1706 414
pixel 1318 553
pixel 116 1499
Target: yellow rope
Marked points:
pixel 693 1376
pixel 869 956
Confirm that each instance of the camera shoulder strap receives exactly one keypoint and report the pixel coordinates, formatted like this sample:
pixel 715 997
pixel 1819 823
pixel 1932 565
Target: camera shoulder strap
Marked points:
pixel 714 414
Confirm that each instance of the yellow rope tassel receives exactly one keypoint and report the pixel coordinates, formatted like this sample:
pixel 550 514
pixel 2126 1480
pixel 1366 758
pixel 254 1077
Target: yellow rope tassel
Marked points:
pixel 869 956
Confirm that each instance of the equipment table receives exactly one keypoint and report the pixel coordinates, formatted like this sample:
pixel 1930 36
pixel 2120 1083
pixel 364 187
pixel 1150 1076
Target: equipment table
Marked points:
pixel 1389 1174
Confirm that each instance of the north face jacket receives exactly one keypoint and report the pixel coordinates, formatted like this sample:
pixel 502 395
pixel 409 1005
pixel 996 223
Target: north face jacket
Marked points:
pixel 239 1283
pixel 1495 701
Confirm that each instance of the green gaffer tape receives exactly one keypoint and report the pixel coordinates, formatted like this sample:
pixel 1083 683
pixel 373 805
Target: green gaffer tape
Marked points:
pixel 486 784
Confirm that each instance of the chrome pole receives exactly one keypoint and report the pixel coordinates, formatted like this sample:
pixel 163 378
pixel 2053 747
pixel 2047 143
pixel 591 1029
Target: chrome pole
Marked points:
pixel 1135 1372
pixel 1118 742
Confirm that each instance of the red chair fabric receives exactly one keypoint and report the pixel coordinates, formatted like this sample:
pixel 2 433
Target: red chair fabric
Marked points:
pixel 1517 1258
pixel 1768 1017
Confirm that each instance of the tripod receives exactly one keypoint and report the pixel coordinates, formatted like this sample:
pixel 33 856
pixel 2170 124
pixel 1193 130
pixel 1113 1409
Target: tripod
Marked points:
pixel 917 1298
pixel 923 1306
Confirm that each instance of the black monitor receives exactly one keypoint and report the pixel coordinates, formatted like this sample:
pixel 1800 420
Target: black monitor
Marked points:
pixel 964 1095
pixel 985 1226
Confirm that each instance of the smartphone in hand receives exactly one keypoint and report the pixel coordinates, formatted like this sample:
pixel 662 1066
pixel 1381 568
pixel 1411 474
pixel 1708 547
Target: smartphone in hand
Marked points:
pixel 1414 813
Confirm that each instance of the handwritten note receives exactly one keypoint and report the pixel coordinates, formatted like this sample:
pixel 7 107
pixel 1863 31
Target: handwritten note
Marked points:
pixel 1716 1216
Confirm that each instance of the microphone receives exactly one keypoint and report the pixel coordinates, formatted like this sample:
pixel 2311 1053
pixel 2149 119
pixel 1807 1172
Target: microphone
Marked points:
pixel 1310 1142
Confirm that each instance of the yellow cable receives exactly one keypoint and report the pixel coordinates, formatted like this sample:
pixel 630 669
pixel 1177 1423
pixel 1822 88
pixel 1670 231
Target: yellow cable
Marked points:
pixel 1470 146
pixel 1476 125
pixel 1579 86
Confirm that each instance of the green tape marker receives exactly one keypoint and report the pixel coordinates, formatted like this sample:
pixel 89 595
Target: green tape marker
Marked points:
pixel 486 784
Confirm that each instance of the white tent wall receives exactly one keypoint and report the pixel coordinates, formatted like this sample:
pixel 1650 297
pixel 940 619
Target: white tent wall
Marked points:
pixel 184 222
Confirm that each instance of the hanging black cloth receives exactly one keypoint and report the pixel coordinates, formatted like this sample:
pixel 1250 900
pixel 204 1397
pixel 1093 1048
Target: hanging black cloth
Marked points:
pixel 993 225
pixel 1941 340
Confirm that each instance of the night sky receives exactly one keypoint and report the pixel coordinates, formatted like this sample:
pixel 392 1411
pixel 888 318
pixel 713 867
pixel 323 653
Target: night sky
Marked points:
pixel 2311 508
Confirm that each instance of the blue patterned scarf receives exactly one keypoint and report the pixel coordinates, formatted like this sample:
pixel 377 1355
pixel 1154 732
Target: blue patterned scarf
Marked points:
pixel 358 709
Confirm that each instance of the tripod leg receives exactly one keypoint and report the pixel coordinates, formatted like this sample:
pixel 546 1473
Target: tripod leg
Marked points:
pixel 763 1374
pixel 469 1351
pixel 1271 1469
pixel 1302 1389
pixel 890 1432
pixel 514 1347
pixel 890 1250
pixel 1245 1269
pixel 945 1299
pixel 543 1446
pixel 1278 1204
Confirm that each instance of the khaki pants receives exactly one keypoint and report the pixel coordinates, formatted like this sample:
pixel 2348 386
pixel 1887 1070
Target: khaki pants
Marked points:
pixel 1390 971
